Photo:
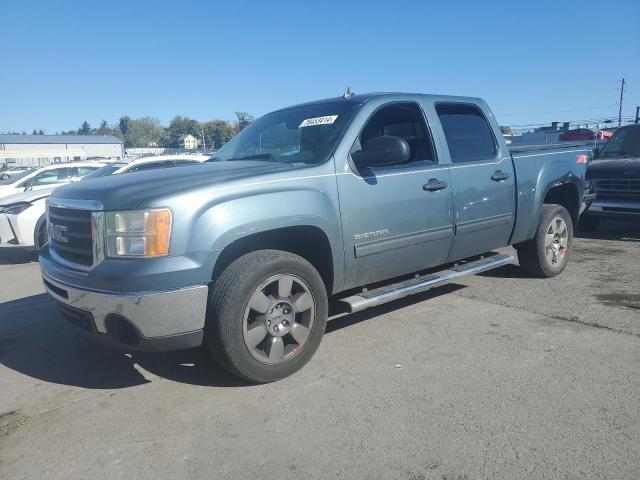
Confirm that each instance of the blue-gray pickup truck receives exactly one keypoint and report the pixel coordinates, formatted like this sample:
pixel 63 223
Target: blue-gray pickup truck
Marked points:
pixel 358 200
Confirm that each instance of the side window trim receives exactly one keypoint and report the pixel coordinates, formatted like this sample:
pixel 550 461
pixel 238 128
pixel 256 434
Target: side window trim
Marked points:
pixel 498 154
pixel 428 130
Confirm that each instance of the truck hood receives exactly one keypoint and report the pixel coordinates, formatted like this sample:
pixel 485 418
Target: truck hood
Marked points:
pixel 614 168
pixel 131 190
pixel 28 196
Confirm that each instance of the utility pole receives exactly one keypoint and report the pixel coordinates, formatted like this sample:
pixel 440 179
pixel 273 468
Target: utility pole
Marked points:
pixel 620 109
pixel 204 145
pixel 637 115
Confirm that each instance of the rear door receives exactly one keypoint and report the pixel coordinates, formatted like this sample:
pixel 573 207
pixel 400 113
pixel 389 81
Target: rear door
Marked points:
pixel 396 219
pixel 482 177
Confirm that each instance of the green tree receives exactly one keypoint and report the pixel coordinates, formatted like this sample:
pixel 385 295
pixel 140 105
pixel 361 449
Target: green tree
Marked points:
pixel 35 132
pixel 124 124
pixel 180 126
pixel 104 128
pixel 40 132
pixel 85 128
pixel 144 132
pixel 217 133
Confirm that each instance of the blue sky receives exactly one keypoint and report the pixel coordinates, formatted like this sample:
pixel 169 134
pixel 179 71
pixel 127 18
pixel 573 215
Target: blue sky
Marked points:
pixel 62 62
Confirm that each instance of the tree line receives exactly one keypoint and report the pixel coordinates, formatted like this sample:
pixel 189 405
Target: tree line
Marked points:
pixel 149 132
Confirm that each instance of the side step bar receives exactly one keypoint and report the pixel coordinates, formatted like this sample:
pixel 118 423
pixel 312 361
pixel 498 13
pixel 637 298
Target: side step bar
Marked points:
pixel 387 293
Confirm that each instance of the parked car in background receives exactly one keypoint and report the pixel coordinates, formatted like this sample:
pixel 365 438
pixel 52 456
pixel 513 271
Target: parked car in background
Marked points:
pixel 149 163
pixel 23 215
pixel 45 177
pixel 7 173
pixel 580 134
pixel 364 199
pixel 614 178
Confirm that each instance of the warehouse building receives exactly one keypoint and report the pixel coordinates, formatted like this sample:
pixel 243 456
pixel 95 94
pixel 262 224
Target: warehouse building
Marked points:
pixel 34 150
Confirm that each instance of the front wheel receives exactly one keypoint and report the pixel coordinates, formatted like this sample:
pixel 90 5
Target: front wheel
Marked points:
pixel 547 254
pixel 267 314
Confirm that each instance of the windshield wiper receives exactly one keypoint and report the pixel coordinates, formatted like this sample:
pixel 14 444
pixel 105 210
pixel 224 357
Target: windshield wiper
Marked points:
pixel 258 156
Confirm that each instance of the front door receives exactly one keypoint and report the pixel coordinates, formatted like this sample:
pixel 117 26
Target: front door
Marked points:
pixel 483 181
pixel 396 219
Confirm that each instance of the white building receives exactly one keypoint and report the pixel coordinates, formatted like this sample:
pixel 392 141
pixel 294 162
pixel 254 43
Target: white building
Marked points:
pixel 46 149
pixel 188 142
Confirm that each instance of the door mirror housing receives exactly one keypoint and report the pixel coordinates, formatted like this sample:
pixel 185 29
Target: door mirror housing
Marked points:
pixel 385 150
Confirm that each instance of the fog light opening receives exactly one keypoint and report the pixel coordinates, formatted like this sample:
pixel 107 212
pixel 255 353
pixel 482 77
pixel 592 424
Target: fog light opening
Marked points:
pixel 122 329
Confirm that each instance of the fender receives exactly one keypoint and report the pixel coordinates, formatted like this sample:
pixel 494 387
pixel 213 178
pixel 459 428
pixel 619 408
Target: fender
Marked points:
pixel 229 219
pixel 534 182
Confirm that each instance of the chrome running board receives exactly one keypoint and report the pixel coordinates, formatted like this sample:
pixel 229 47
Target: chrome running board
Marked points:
pixel 387 293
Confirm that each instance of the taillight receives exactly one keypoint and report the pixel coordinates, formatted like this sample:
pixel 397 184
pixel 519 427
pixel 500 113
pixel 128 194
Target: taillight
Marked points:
pixel 581 158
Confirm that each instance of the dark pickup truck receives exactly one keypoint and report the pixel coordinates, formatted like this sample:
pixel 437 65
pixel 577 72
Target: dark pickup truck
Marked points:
pixel 614 180
pixel 363 199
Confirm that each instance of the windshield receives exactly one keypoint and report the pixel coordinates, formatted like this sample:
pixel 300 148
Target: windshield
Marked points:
pixel 306 134
pixel 624 143
pixel 104 171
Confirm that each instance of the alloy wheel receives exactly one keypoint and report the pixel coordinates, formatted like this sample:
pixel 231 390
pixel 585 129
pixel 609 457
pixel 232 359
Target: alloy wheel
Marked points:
pixel 278 319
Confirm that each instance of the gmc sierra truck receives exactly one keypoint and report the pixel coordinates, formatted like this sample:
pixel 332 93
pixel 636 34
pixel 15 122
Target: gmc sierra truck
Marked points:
pixel 614 180
pixel 361 199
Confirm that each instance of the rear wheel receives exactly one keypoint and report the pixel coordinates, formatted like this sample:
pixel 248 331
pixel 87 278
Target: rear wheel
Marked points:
pixel 267 314
pixel 547 254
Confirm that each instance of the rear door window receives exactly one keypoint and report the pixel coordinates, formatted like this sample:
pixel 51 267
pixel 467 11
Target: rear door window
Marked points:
pixel 467 131
pixel 50 177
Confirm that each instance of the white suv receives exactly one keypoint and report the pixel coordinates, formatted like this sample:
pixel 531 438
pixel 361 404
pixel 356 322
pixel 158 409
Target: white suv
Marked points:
pixel 45 177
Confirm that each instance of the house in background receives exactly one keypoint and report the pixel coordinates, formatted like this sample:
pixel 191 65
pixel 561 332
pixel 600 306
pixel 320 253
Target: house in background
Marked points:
pixel 188 142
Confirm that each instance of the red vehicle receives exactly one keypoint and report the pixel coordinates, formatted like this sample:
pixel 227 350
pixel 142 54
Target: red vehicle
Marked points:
pixel 584 134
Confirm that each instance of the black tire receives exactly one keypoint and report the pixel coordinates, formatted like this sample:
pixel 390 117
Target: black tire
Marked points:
pixel 536 257
pixel 40 234
pixel 588 223
pixel 228 308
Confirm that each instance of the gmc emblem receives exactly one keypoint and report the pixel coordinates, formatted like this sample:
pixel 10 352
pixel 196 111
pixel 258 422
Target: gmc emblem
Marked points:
pixel 56 232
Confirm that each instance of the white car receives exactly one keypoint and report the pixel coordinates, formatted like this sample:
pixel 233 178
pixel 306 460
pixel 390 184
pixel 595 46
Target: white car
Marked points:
pixel 22 219
pixel 46 177
pixel 149 163
pixel 7 173
pixel 23 215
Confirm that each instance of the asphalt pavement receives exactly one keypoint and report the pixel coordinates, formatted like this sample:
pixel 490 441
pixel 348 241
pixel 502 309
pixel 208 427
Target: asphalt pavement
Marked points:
pixel 499 376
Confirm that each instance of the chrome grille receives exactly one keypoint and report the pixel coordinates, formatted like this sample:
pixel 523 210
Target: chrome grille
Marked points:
pixel 70 234
pixel 618 188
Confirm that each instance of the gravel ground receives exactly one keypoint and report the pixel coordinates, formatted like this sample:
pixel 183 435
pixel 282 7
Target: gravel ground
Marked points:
pixel 499 376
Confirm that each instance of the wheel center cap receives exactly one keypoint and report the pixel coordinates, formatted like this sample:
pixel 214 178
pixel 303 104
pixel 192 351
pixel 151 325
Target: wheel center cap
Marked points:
pixel 280 318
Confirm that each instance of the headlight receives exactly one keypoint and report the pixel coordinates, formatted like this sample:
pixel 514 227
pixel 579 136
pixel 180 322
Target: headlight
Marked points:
pixel 138 233
pixel 15 208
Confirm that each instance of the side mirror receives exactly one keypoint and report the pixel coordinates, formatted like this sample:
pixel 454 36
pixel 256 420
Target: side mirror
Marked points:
pixel 28 187
pixel 385 150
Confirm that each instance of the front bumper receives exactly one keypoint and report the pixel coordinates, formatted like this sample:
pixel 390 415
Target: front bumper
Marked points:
pixel 165 320
pixel 621 209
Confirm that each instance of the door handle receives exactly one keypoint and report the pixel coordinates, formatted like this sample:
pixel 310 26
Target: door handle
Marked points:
pixel 499 176
pixel 434 185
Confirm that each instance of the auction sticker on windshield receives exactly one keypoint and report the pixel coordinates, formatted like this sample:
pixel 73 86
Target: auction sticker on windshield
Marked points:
pixel 310 122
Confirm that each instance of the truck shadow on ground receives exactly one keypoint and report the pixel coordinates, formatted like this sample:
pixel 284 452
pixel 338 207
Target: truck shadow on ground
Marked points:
pixel 36 342
pixel 16 256
pixel 627 231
